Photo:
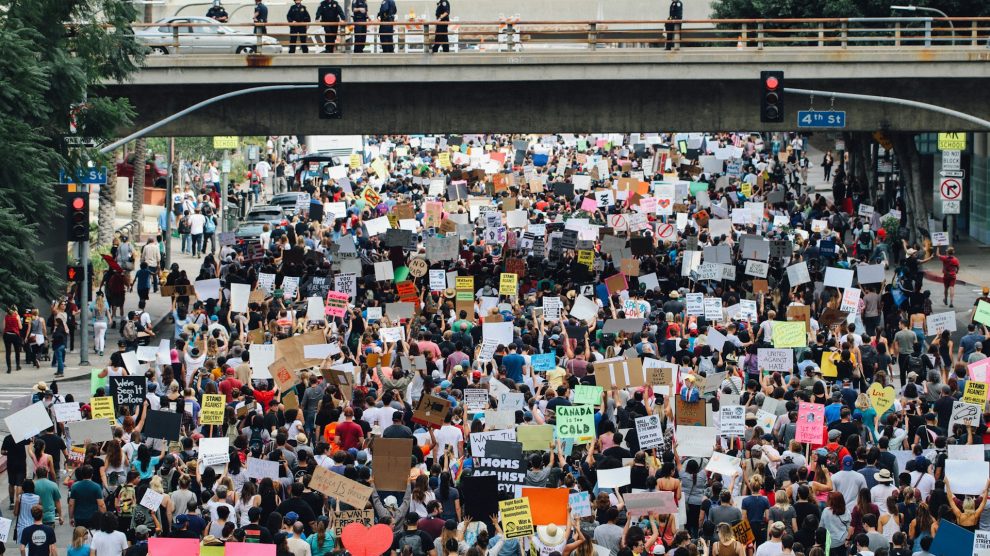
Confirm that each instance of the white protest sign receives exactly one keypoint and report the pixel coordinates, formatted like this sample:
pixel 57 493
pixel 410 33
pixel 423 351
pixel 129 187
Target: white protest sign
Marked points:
pixel 850 300
pixel 28 422
pixel 480 439
pixel 67 412
pixel 938 322
pixel 695 442
pixel 614 478
pixel 650 432
pixel 214 451
pixel 779 360
pixel 152 500
pixel 239 294
pixel 967 477
pixel 838 277
pixel 757 268
pixel 732 420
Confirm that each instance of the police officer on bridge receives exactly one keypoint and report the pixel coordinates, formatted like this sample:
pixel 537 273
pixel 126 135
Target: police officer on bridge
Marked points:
pixel 297 33
pixel 330 12
pixel 440 37
pixel 359 13
pixel 217 12
pixel 674 18
pixel 386 33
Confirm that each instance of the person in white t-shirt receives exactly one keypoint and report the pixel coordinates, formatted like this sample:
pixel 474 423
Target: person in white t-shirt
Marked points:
pixel 772 546
pixel 449 435
pixel 197 223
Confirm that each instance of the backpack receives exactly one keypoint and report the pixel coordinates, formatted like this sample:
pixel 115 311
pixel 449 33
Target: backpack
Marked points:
pixel 257 442
pixel 413 541
pixel 916 364
pixel 126 499
pixel 129 331
pixel 833 454
pixel 705 366
pixel 210 226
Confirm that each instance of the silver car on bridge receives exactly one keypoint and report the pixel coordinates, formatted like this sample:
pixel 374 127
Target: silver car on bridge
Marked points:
pixel 202 35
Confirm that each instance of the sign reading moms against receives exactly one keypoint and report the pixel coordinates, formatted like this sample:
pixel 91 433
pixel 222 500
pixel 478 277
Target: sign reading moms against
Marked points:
pixel 504 461
pixel 575 421
pixel 213 408
pixel 517 519
pixel 128 390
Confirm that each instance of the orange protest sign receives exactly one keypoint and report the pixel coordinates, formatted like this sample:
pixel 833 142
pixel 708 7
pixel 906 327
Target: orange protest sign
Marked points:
pixel 548 505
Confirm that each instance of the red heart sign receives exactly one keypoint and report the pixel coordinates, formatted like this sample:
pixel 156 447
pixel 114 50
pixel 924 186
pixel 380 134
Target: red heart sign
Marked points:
pixel 664 203
pixel 364 541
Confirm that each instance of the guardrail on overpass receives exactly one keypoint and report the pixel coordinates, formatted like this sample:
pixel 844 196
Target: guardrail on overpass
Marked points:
pixel 183 35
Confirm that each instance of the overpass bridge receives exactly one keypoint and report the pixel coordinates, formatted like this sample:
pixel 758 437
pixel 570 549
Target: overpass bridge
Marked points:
pixel 585 76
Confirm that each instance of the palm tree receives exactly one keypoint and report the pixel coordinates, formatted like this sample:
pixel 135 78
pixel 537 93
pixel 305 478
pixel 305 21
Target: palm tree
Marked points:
pixel 108 206
pixel 137 184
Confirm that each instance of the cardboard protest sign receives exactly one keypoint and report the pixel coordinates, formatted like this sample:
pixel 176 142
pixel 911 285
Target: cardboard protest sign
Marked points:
pixel 291 350
pixel 336 486
pixel 431 411
pixel 744 531
pixel 343 518
pixel 624 373
pixel 392 458
pixel 690 413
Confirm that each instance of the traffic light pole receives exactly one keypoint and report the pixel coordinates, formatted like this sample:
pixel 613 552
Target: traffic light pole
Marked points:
pixel 84 295
pixel 892 100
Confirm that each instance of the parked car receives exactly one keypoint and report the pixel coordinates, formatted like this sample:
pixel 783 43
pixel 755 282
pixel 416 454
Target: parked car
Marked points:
pixel 202 35
pixel 153 175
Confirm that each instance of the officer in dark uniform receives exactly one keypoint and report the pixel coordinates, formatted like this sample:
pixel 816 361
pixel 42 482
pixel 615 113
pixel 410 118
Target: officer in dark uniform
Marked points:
pixel 330 12
pixel 359 13
pixel 260 17
pixel 297 33
pixel 386 33
pixel 674 17
pixel 217 12
pixel 440 37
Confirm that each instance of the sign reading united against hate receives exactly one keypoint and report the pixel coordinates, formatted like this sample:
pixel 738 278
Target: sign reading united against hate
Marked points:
pixel 212 410
pixel 517 519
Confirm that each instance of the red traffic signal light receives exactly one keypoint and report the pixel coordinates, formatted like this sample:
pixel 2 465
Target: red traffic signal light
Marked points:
pixel 771 97
pixel 74 273
pixel 77 217
pixel 329 84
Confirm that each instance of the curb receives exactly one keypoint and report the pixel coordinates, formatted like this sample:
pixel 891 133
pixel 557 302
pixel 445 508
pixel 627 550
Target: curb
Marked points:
pixel 937 277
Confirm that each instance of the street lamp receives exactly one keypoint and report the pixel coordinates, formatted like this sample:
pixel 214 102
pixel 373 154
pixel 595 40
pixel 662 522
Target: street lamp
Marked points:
pixel 913 8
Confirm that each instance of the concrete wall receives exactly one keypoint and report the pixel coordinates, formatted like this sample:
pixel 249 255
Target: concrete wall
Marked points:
pixel 535 106
pixel 616 90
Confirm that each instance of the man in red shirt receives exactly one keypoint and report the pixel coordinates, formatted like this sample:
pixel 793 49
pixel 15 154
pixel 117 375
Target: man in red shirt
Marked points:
pixel 950 268
pixel 349 434
pixel 228 384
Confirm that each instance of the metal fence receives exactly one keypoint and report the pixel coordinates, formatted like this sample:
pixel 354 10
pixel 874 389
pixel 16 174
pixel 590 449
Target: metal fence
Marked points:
pixel 193 35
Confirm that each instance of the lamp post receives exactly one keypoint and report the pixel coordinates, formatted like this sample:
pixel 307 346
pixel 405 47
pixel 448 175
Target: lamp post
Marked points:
pixel 912 8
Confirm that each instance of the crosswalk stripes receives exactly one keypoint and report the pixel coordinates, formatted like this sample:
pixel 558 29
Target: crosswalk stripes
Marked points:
pixel 10 393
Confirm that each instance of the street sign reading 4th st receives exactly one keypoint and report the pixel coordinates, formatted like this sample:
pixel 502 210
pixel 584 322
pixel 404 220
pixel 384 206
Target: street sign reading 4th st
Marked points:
pixel 89 176
pixel 824 119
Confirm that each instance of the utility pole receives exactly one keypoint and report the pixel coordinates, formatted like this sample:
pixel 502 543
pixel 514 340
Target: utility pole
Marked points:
pixel 84 294
pixel 173 170
pixel 224 176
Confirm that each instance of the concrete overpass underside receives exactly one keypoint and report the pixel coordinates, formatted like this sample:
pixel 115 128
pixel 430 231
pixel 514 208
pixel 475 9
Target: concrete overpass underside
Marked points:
pixel 579 91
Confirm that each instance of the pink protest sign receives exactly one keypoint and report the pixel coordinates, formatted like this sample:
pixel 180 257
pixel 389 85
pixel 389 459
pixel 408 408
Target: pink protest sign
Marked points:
pixel 811 423
pixel 160 546
pixel 589 205
pixel 980 370
pixel 336 304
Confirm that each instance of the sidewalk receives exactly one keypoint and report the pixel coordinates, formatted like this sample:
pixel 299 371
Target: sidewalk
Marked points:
pixel 971 270
pixel 157 306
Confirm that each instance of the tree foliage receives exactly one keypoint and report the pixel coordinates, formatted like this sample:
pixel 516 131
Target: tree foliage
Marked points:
pixel 810 9
pixel 52 52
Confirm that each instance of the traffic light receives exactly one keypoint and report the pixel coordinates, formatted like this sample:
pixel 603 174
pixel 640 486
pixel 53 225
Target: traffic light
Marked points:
pixel 329 86
pixel 74 274
pixel 772 105
pixel 77 216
